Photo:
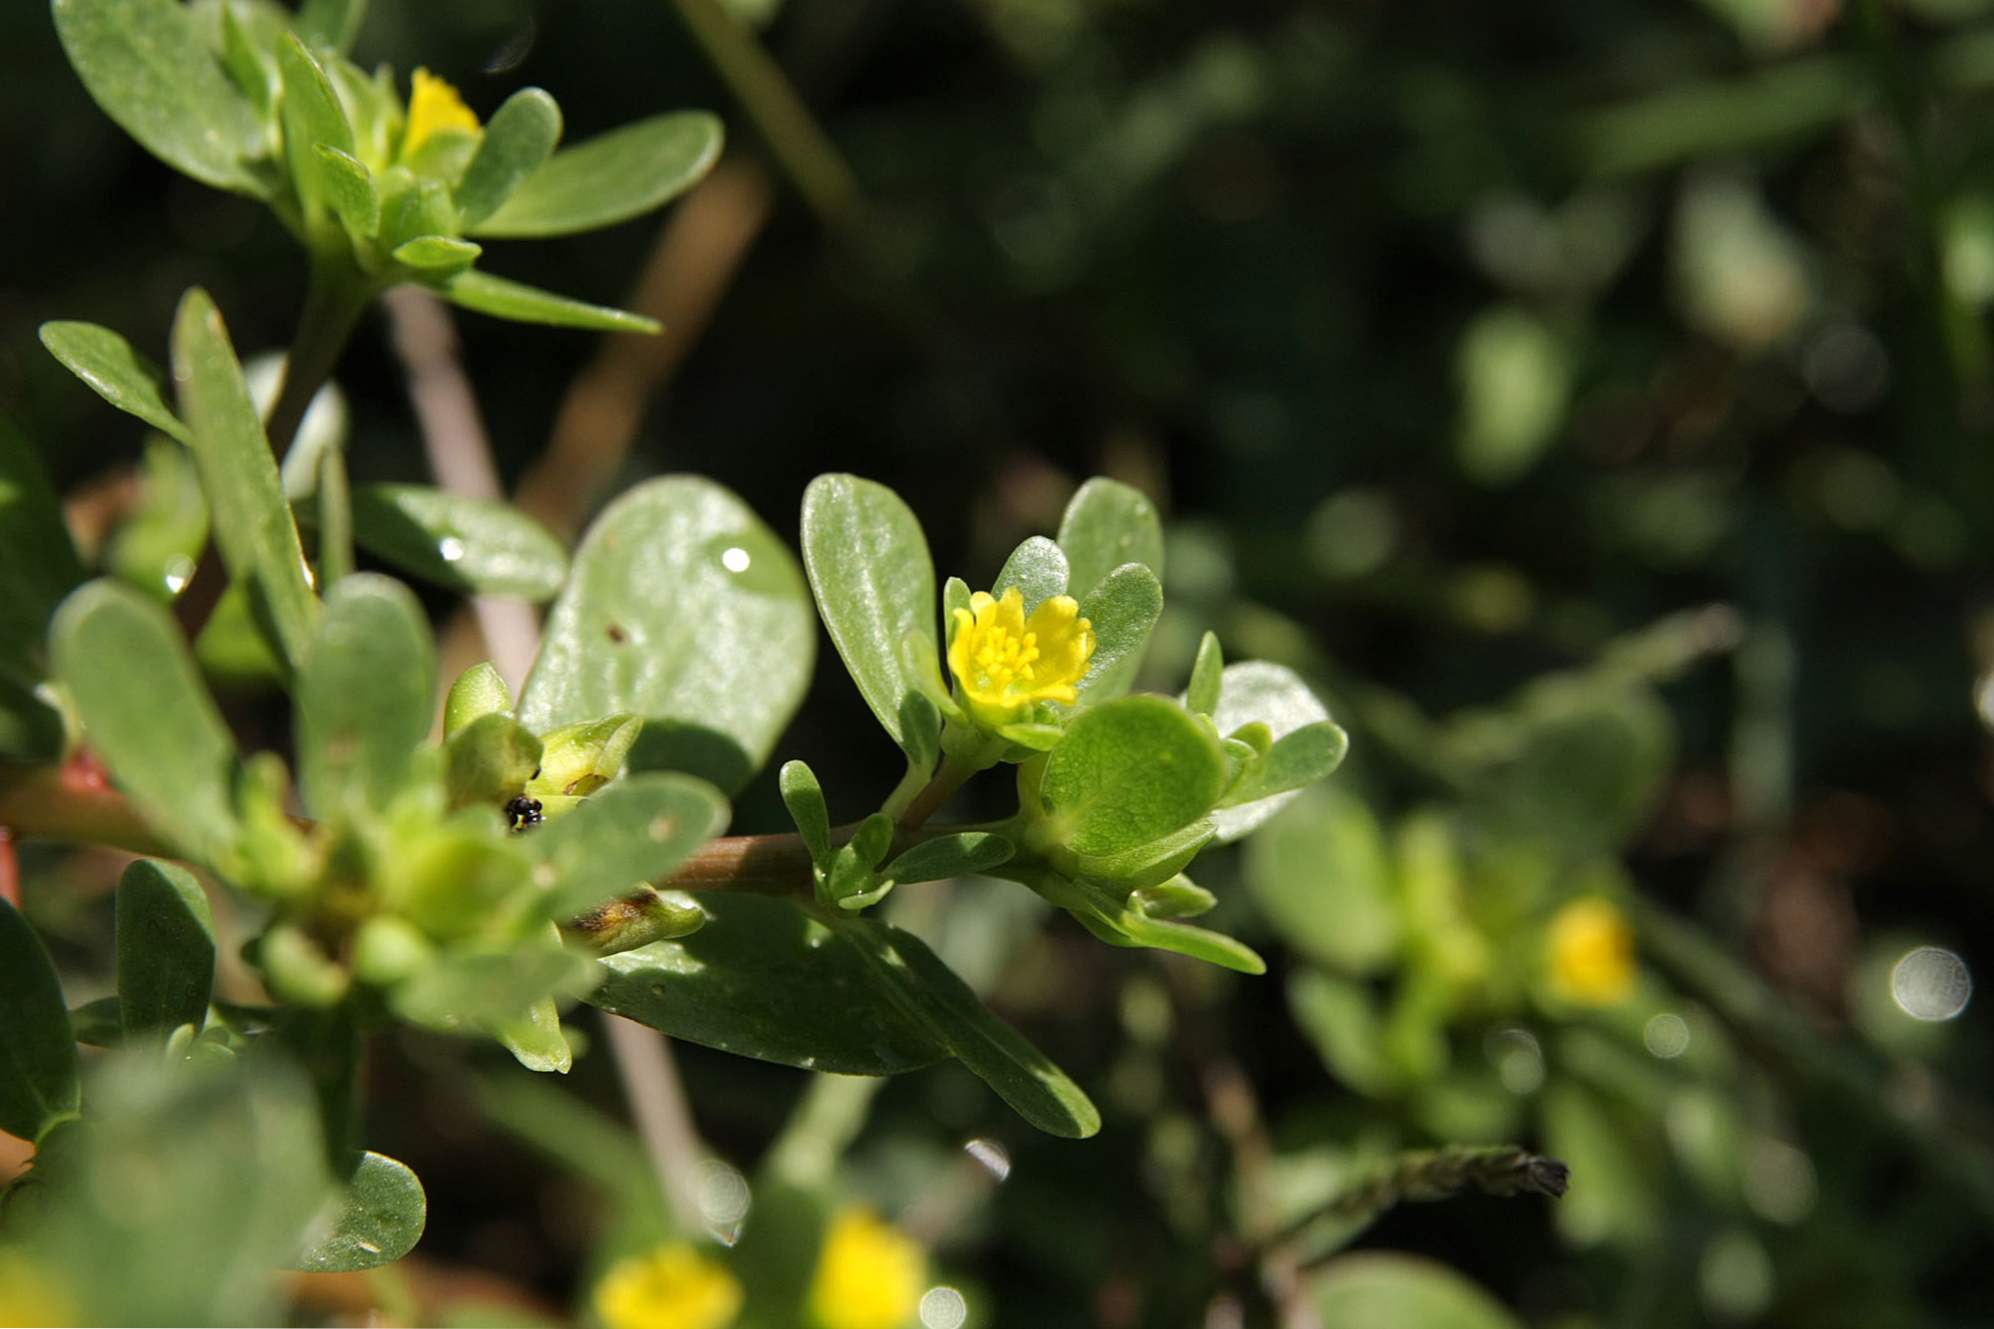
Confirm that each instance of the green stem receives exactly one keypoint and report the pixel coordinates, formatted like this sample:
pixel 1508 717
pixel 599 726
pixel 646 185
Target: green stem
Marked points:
pixel 335 520
pixel 335 294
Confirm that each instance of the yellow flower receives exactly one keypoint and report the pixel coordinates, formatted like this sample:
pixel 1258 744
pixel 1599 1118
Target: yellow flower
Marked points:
pixel 28 1298
pixel 433 105
pixel 672 1287
pixel 1005 662
pixel 869 1275
pixel 1592 953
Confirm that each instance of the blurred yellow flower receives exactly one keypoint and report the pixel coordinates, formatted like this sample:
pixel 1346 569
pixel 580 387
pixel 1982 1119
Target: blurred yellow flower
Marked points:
pixel 1005 661
pixel 869 1275
pixel 27 1298
pixel 672 1287
pixel 1591 952
pixel 433 105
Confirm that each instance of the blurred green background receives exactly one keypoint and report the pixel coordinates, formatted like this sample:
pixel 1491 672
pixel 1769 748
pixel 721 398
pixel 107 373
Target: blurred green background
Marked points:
pixel 1595 402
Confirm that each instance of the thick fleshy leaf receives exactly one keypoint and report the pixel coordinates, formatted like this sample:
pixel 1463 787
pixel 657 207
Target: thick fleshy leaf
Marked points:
pixel 1120 922
pixel 1257 692
pixel 763 979
pixel 157 545
pixel 313 118
pixel 804 798
pixel 1297 759
pixel 1107 524
pixel 113 369
pixel 366 695
pixel 874 584
pixel 349 189
pixel 517 140
pixel 633 832
pixel 610 178
pixel 527 304
pixel 166 949
pixel 430 254
pixel 375 1220
pixel 963 854
pixel 479 691
pixel 481 990
pixel 38 1084
pixel 489 760
pixel 1128 773
pixel 148 67
pixel 1037 568
pixel 466 544
pixel 252 522
pixel 1123 608
pixel 684 609
pixel 1202 693
pixel 127 670
pixel 536 1039
pixel 1404 1291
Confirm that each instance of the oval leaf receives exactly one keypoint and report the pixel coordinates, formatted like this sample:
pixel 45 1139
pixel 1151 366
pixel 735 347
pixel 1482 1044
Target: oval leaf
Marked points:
pixel 682 608
pixel 366 695
pixel 252 522
pixel 1404 1291
pixel 466 544
pixel 147 65
pixel 611 178
pixel 1123 608
pixel 165 949
pixel 874 584
pixel 1107 524
pixel 145 711
pixel 38 1085
pixel 519 137
pixel 376 1220
pixel 1037 568
pixel 110 367
pixel 634 831
pixel 1258 692
pixel 1128 773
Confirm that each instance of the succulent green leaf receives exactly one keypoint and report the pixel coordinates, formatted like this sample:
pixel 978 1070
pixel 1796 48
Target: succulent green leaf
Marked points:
pixel 479 990
pixel 1123 608
pixel 1257 692
pixel 165 949
pixel 156 547
pixel 765 979
pixel 1120 922
pixel 113 369
pixel 375 1220
pixel 875 587
pixel 127 671
pixel 1405 1291
pixel 99 1023
pixel 610 178
pixel 465 544
pixel 804 798
pixel 500 298
pixel 489 760
pixel 634 832
pixel 413 208
pixel 1298 758
pixel 479 691
pixel 999 1055
pixel 518 139
pixel 437 253
pixel 333 23
pixel 1128 773
pixel 251 64
pixel 366 696
pixel 38 1084
pixel 148 67
pixel 1179 897
pixel 1037 568
pixel 312 118
pixel 349 188
pixel 1202 695
pixel 685 609
pixel 963 854
pixel 536 1039
pixel 252 523
pixel 1107 524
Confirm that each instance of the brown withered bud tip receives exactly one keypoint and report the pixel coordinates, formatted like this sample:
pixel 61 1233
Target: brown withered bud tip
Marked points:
pixel 1548 1176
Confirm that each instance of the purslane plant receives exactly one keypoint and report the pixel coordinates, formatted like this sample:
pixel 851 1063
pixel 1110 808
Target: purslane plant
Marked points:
pixel 475 869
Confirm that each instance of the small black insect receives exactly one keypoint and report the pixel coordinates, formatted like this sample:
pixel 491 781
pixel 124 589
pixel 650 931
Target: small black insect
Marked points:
pixel 523 812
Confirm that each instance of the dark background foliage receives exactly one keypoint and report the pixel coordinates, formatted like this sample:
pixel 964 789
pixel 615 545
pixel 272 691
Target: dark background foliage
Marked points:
pixel 1456 341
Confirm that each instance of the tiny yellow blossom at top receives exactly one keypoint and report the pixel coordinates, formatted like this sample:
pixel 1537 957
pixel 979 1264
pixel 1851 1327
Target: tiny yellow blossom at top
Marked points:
pixel 869 1275
pixel 672 1287
pixel 433 105
pixel 28 1298
pixel 1592 953
pixel 1005 661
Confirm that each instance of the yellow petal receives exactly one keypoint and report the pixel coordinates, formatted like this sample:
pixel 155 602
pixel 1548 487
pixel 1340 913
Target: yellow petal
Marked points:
pixel 868 1277
pixel 433 105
